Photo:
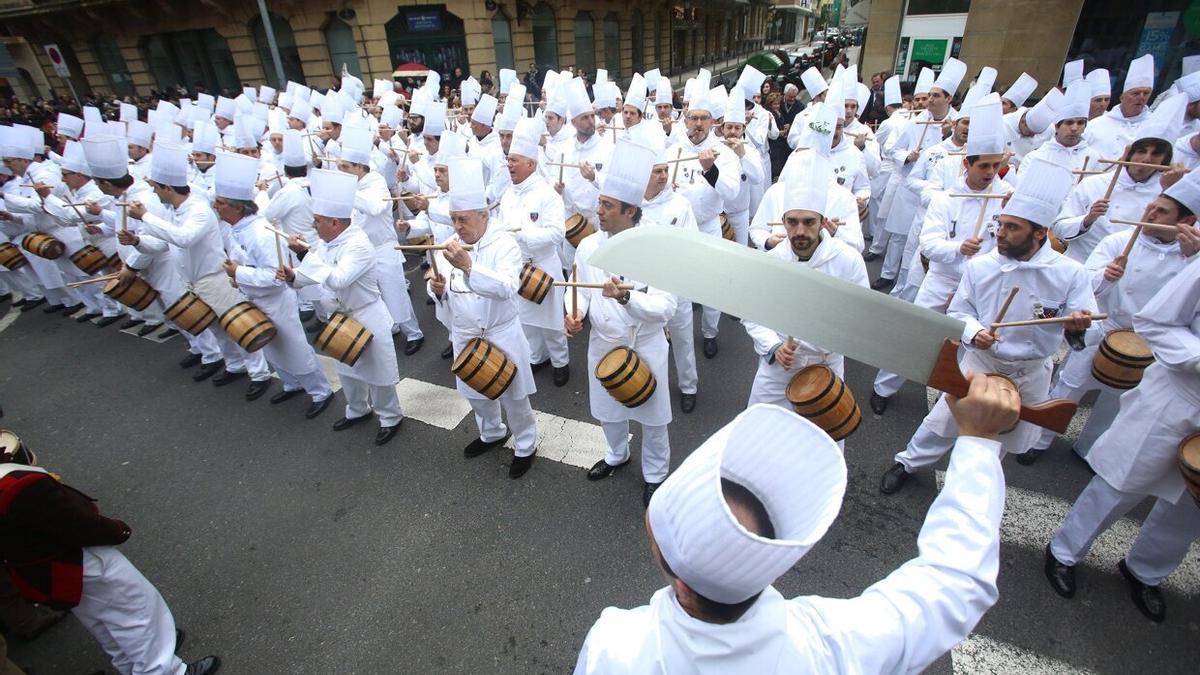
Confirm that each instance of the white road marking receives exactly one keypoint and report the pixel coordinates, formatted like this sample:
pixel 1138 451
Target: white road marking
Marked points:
pixel 980 654
pixel 432 404
pixel 1031 519
pixel 9 318
pixel 568 441
pixel 329 365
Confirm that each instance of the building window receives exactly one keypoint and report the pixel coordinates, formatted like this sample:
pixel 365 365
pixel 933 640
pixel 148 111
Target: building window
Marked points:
pixel 199 60
pixel 113 64
pixel 288 54
pixel 545 38
pixel 612 45
pixel 428 35
pixel 339 37
pixel 918 7
pixel 638 42
pixel 660 38
pixel 585 44
pixel 502 41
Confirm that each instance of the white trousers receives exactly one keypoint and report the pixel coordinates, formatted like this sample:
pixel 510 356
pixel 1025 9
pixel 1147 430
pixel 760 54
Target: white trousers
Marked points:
pixel 741 225
pixel 879 241
pixel 547 343
pixel 362 398
pixel 709 321
pixel 23 282
pixel 1074 380
pixel 888 383
pixel 491 425
pixel 656 449
pixel 127 615
pixel 314 383
pixel 893 257
pixel 238 360
pixel 683 347
pixel 1161 545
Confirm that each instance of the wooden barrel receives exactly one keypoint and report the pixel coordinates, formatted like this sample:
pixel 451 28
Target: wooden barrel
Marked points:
pixel 114 263
pixel 1056 243
pixel 191 314
pixel 726 227
pixel 924 263
pixel 423 240
pixel 44 246
pixel 535 284
pixel 344 338
pixel 818 394
pixel 626 377
pixel 11 257
pixel 136 294
pixel 89 259
pixel 578 228
pixel 484 368
pixel 410 203
pixel 1189 464
pixel 248 325
pixel 1121 359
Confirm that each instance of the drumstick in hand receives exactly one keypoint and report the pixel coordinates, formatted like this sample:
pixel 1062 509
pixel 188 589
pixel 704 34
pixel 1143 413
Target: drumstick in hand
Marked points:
pixel 574 290
pixel 1132 240
pixel 1004 309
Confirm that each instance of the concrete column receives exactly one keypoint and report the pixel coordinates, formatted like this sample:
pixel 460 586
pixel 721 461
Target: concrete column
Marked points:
pixel 1016 36
pixel 879 53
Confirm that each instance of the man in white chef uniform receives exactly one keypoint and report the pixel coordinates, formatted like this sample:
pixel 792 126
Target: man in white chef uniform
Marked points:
pixel 255 255
pixel 750 502
pixel 1048 285
pixel 535 211
pixel 1112 131
pixel 343 264
pixel 476 293
pixel 625 314
pixel 1137 457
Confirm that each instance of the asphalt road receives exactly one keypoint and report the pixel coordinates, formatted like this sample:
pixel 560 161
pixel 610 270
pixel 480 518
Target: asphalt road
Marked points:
pixel 288 548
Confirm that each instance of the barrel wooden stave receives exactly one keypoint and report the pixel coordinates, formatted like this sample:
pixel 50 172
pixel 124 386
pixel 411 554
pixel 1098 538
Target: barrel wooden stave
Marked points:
pixel 344 338
pixel 248 326
pixel 820 396
pixel 1189 464
pixel 191 314
pixel 89 259
pixel 136 293
pixel 726 227
pixel 1121 359
pixel 44 246
pixel 11 257
pixel 535 284
pixel 626 377
pixel 483 367
pixel 578 228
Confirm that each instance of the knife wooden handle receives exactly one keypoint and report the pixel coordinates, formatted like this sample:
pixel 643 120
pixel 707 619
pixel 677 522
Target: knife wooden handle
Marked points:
pixel 1054 414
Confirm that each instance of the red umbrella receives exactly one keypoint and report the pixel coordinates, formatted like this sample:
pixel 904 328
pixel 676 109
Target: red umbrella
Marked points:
pixel 410 70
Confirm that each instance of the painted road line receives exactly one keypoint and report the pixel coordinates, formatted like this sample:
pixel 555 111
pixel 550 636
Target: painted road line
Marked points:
pixel 1031 519
pixel 980 654
pixel 433 404
pixel 568 441
pixel 9 318
pixel 329 365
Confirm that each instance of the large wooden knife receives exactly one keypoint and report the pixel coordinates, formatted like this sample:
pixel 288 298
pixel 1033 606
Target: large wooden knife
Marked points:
pixel 865 325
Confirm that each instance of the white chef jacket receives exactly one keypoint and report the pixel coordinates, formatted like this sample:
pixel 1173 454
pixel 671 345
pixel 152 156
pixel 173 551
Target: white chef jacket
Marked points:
pixel 1150 266
pixel 749 179
pixel 192 228
pixel 841 205
pixel 580 195
pixel 1072 158
pixel 899 625
pixel 850 168
pixel 707 200
pixel 1112 131
pixel 903 207
pixel 291 208
pixel 372 210
pixel 949 222
pixel 1128 202
pixel 155 260
pixel 1184 154
pixel 535 208
pixel 669 208
pixel 1019 145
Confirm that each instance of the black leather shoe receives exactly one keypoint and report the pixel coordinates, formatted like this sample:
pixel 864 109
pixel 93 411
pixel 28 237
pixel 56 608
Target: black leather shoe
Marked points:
pixel 479 446
pixel 84 318
pixel 207 370
pixel 870 257
pixel 710 347
pixel 386 433
pixel 893 479
pixel 285 395
pixel 562 375
pixel 32 303
pixel 227 378
pixel 602 469
pixel 50 309
pixel 413 346
pixel 148 329
pixel 1149 599
pixel 68 311
pixel 190 361
pixel 520 466
pixel 317 407
pixel 347 422
pixel 539 366
pixel 448 351
pixel 1061 577
pixel 170 332
pixel 306 315
pixel 1030 456
pixel 648 491
pixel 883 284
pixel 687 403
pixel 205 666
pixel 256 389
pixel 879 403
pixel 20 303
pixel 109 320
pixel 131 323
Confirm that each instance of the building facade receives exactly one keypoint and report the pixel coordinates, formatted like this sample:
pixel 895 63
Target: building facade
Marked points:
pixel 125 48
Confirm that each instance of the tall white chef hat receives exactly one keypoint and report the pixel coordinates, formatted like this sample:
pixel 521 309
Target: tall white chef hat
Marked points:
pixel 735 109
pixel 808 189
pixel 636 94
pixel 526 136
pixel 1043 113
pixel 651 136
pixel 557 101
pixel 466 184
pixel 380 87
pixel 514 109
pixel 794 469
pixel 73 159
pixel 293 148
pixel 234 176
pixel 1187 191
pixel 435 119
pixel 862 96
pixel 818 130
pixel 628 173
pixel 715 101
pixel 814 83
pixel 578 102
pixel 987 78
pixel 1041 193
pixel 508 77
pixel 700 91
pixel 601 75
pixel 1072 70
pixel 987 135
pixel 205 137
pixel 226 108
pixel 352 87
pixel 663 93
pixel 485 110
pixel 652 77
pixel 107 156
pixel 689 88
pixel 1140 74
pixel 469 91
pixel 750 81
pixel 835 97
pixel 1076 103
pixel 69 125
pixel 891 91
pixel 34 138
pixel 391 117
pixel 317 100
pixel 1100 82
pixel 952 74
pixel 356 144
pixel 605 94
pixel 301 110
pixel 1164 121
pixel 332 192
pixel 1021 90
pixel 248 131
pixel 1190 84
pixel 168 164
pixel 206 101
pixel 266 94
pixel 139 133
pixel 451 148
pixel 924 82
pixel 974 95
pixel 129 112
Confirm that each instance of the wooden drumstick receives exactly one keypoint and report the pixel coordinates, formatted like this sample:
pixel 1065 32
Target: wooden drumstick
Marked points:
pixel 575 290
pixel 1044 322
pixel 1083 170
pixel 983 211
pixel 1003 310
pixel 430 247
pixel 1132 240
pixel 124 216
pixel 1125 162
pixel 285 235
pixel 1112 184
pixel 1149 227
pixel 675 171
pixel 561 166
pixel 577 284
pixel 106 277
pixel 278 247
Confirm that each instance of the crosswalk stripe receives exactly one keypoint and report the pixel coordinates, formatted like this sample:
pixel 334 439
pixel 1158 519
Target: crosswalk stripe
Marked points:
pixel 1031 519
pixel 9 318
pixel 981 654
pixel 432 404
